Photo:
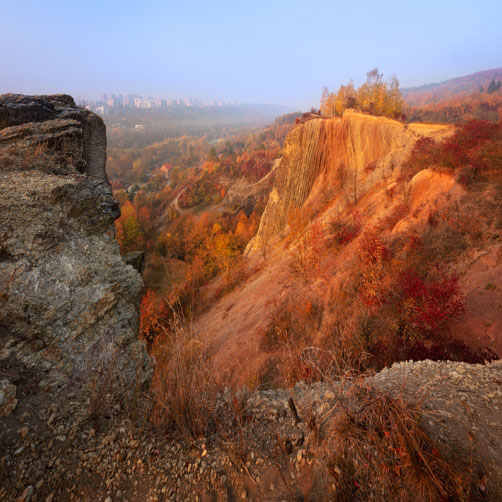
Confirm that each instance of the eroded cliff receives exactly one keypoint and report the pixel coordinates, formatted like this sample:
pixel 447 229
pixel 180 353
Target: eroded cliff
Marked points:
pixel 351 175
pixel 67 300
pixel 337 158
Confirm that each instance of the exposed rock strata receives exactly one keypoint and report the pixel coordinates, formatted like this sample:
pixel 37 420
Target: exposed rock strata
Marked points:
pixel 327 158
pixel 67 296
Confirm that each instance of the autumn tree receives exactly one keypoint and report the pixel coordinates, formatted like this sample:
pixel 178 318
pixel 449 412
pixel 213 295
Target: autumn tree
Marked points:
pixel 374 96
pixel 395 98
pixel 129 235
pixel 223 249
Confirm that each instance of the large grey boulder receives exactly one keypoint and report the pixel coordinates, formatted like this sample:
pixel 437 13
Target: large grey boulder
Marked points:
pixel 66 296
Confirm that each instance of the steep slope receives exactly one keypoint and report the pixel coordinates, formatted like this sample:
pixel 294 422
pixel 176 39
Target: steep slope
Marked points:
pixel 340 158
pixel 323 170
pixel 351 173
pixel 68 301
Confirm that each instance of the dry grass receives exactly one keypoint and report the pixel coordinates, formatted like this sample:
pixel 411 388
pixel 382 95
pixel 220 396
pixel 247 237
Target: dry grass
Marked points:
pixel 184 388
pixel 377 449
pixel 369 446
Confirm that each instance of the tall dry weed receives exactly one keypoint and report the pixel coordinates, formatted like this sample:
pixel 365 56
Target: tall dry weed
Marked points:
pixel 184 387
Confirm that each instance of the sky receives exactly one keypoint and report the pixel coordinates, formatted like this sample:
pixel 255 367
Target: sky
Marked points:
pixel 275 51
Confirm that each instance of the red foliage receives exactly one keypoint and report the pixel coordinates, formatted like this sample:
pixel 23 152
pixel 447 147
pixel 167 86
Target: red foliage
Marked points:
pixel 476 147
pixel 460 149
pixel 372 249
pixel 431 303
pixel 414 242
pixel 424 155
pixel 369 168
pixel 345 232
pixel 256 167
pixel 432 219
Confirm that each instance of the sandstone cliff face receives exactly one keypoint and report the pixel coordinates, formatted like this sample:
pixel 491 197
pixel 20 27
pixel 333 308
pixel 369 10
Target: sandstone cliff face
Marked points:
pixel 337 158
pixel 66 297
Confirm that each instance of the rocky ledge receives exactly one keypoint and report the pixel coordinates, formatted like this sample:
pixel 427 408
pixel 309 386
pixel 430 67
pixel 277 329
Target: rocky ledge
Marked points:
pixel 260 449
pixel 68 303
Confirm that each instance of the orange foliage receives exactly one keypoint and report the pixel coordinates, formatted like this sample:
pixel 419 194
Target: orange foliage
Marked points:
pixel 153 317
pixel 306 240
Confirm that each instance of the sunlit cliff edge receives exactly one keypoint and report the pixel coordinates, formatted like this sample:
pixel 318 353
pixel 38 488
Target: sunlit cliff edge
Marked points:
pixel 325 159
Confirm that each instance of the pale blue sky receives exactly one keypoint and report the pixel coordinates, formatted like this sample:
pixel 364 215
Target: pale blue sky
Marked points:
pixel 256 51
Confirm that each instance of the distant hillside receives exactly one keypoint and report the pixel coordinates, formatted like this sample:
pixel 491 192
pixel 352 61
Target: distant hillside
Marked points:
pixel 436 92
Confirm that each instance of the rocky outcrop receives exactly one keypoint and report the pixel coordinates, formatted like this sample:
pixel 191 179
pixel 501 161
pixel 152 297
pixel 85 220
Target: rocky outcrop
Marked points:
pixel 328 158
pixel 268 455
pixel 462 405
pixel 67 298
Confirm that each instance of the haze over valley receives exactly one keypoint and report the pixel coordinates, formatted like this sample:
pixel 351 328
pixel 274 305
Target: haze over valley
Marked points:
pixel 250 251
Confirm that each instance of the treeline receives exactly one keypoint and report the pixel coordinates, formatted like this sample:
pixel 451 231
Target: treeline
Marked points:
pixel 375 96
pixel 461 108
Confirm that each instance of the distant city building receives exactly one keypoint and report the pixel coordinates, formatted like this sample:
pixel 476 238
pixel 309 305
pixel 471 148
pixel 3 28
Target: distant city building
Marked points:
pixel 111 101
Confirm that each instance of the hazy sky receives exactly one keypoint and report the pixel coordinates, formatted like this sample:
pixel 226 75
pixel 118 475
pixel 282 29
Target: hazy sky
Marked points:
pixel 273 51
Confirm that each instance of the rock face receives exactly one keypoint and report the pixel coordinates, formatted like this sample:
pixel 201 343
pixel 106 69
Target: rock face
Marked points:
pixel 328 157
pixel 8 399
pixel 66 296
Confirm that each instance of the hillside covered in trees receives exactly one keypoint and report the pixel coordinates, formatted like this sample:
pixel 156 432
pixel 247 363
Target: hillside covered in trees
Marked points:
pixel 487 81
pixel 175 206
pixel 324 251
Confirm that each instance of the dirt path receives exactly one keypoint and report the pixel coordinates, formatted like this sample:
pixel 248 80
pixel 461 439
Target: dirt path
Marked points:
pixel 175 203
